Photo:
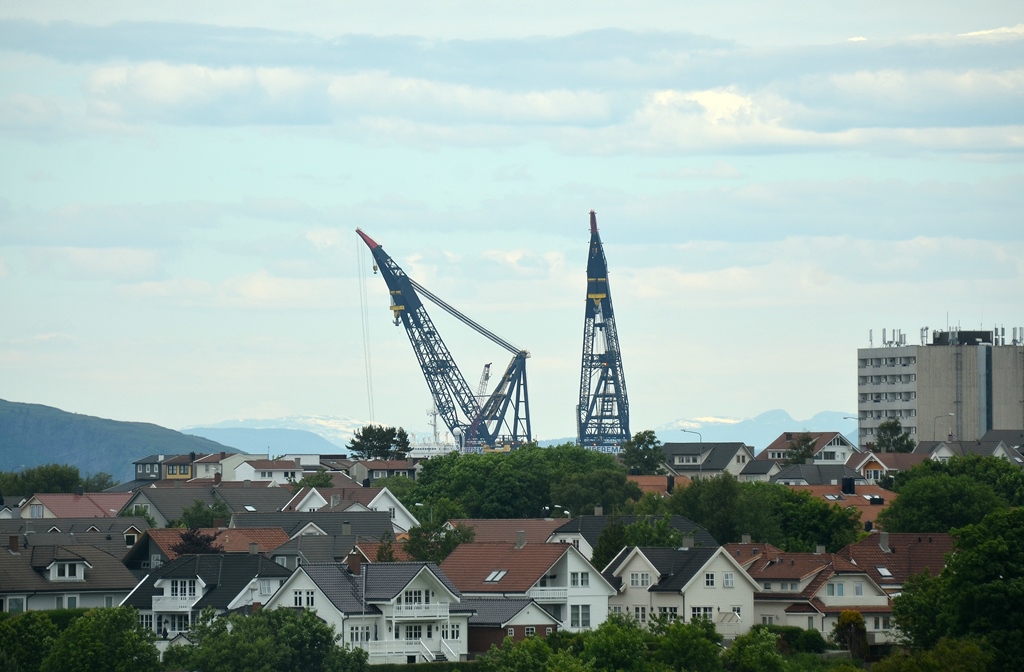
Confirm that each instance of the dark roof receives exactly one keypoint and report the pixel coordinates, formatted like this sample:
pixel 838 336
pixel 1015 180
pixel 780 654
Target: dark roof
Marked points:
pixel 963 448
pixel 225 575
pixel 753 467
pixel 816 474
pixel 317 548
pixel 590 527
pixel 172 502
pixel 675 566
pixel 10 526
pixel 382 581
pixel 537 530
pixel 1011 437
pixel 24 571
pixel 365 524
pixel 497 611
pixel 263 500
pixel 109 542
pixel 717 456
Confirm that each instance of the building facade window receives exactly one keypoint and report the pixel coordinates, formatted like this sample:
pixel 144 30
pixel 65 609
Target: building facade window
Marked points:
pixel 640 613
pixel 671 613
pixel 858 588
pixel 639 579
pixel 530 631
pixel 297 598
pixel 358 634
pixel 709 579
pixel 450 630
pixel 729 580
pixel 702 612
pixel 310 598
pixel 413 633
pixel 834 589
pixel 579 615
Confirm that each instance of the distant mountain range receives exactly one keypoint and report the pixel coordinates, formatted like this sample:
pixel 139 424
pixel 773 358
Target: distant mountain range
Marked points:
pixel 335 430
pixel 31 435
pixel 271 441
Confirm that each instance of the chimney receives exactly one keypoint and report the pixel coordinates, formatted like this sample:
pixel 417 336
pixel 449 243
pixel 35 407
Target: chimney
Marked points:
pixel 687 543
pixel 670 484
pixel 192 457
pixel 346 530
pixel 254 548
pixel 298 461
pixel 520 538
pixel 746 538
pixel 216 478
pixel 883 542
pixel 256 606
pixel 13 543
pixel 355 561
pixel 220 523
pixel 819 549
pixel 247 483
pixel 159 458
pixel 222 455
pixel 598 510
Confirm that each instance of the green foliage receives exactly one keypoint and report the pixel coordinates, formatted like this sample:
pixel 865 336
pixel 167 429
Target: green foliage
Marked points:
pixel 611 540
pixel 139 511
pixel 379 442
pixel 104 640
pixel 432 540
pixel 801 449
pixel 528 655
pixel 194 542
pixel 756 651
pixel 266 641
pixel 850 633
pixel 890 438
pixel 657 533
pixel 401 487
pixel 27 638
pixel 797 640
pixel 687 646
pixel 949 655
pixel 198 514
pixel 1005 478
pixel 939 503
pixel 386 550
pixel 608 488
pixel 643 454
pixel 618 645
pixel 98 482
pixel 321 478
pixel 46 478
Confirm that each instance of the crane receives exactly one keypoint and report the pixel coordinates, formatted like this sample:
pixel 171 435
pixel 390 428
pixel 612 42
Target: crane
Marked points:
pixel 481 388
pixel 477 425
pixel 602 416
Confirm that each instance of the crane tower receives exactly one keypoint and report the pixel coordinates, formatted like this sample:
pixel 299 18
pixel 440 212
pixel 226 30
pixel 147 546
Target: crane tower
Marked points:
pixel 602 416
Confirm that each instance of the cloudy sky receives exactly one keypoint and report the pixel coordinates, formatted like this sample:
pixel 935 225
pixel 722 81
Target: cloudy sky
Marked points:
pixel 180 185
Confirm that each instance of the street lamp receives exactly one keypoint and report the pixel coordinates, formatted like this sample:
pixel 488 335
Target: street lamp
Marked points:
pixel 700 453
pixel 944 415
pixel 420 504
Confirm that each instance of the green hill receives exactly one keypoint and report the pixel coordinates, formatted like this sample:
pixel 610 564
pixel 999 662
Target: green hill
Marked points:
pixel 31 434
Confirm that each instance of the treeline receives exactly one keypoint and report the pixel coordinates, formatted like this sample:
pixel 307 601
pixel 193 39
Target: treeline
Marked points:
pixel 52 478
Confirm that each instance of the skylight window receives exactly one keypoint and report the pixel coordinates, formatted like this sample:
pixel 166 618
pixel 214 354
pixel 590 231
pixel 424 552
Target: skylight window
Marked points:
pixel 884 571
pixel 495 576
pixel 250 508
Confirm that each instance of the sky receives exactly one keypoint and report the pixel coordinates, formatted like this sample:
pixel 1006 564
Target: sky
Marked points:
pixel 180 184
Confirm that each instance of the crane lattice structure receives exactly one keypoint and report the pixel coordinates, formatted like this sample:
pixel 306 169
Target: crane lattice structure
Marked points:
pixel 478 425
pixel 602 415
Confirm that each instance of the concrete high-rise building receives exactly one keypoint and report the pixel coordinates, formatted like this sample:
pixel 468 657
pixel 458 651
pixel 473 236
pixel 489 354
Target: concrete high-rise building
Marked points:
pixel 957 387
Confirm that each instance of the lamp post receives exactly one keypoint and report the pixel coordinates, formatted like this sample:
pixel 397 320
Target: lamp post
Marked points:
pixel 420 504
pixel 700 453
pixel 934 431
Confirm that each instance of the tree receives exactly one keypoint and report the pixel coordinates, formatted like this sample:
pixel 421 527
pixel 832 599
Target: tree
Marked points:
pixel 104 640
pixel 611 540
pixel 47 478
pixel 642 454
pixel 529 655
pixel 27 638
pixel 1004 477
pixel 98 482
pixel 194 542
pixel 756 651
pixel 949 655
pixel 939 503
pixel 386 550
pixel 432 540
pixel 618 645
pixel 139 511
pixel 890 438
pixel 687 646
pixel 379 442
pixel 801 449
pixel 850 633
pixel 321 478
pixel 658 533
pixel 198 514
pixel 581 493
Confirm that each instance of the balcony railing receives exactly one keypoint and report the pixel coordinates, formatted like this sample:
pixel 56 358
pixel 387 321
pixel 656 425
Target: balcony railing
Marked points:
pixel 177 603
pixel 548 594
pixel 436 610
pixel 427 649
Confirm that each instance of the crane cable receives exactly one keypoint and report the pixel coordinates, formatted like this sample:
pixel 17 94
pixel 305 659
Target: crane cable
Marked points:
pixel 364 315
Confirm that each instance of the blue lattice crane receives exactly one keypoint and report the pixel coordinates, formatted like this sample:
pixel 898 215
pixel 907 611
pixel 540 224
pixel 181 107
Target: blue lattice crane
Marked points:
pixel 602 416
pixel 478 425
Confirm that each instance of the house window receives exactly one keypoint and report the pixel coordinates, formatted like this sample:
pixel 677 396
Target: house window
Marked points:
pixel 413 597
pixel 146 621
pixel 729 580
pixel 172 469
pixel 584 579
pixel 530 631
pixel 67 571
pixel 130 539
pixel 738 611
pixel 378 473
pixel 768 620
pixel 392 510
pixel 15 605
pixel 108 601
pixel 147 468
pixel 547 631
pixel 709 579
pixel 297 598
pixel 282 560
pixel 580 615
pixel 579 579
pixel 139 468
pixel 640 612
pixel 639 579
pixel 511 632
pixel 828 455
pixel 450 631
pixel 767 585
pixel 810 622
pixel 176 622
pixel 358 634
pixel 183 470
pixel 35 511
pixel 672 613
pixel 58 603
pixel 834 589
pixel 264 586
pixel 616 608
pixel 72 601
pixel 309 598
pixel 702 612
pixel 881 623
pixel 858 588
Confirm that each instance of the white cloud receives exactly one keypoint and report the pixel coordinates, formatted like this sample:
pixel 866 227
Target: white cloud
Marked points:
pixel 1004 32
pixel 107 263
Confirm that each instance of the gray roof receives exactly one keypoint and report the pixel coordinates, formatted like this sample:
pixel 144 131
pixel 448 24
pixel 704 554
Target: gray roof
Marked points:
pixel 1011 437
pixel 365 524
pixel 382 581
pixel 983 448
pixel 590 527
pixel 117 524
pixel 317 548
pixel 109 542
pixel 263 500
pixel 225 575
pixel 816 474
pixel 496 611
pixel 717 456
pixel 753 467
pixel 25 571
pixel 172 502
pixel 675 566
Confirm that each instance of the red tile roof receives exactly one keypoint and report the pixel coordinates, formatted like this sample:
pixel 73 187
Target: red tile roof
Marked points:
pixel 229 540
pixel 470 564
pixel 908 554
pixel 656 484
pixel 88 505
pixel 860 501
pixel 370 548
pixel 746 554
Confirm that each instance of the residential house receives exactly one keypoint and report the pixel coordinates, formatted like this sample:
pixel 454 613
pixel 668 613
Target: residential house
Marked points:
pixel 149 468
pixel 155 548
pixel 868 500
pixel 556 576
pixel 875 467
pixel 318 537
pixel 165 505
pixel 1014 438
pixel 281 472
pixel 126 529
pixel 223 463
pixel 69 505
pixel 892 558
pixel 508 530
pixel 46 576
pixel 253 500
pixel 368 471
pixel 658 484
pixel 944 450
pixel 828 448
pixel 810 590
pixel 170 597
pixel 759 470
pixel 816 474
pixel 179 467
pixel 343 499
pixel 398 612
pixel 114 544
pixel 683 583
pixel 706 460
pixel 584 531
pixel 495 618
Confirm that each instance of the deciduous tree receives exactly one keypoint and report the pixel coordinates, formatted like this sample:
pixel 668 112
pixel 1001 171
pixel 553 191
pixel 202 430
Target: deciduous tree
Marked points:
pixel 643 454
pixel 890 438
pixel 194 542
pixel 379 442
pixel 104 640
pixel 939 503
pixel 801 449
pixel 199 514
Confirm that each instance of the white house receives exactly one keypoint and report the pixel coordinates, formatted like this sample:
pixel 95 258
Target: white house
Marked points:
pixel 354 499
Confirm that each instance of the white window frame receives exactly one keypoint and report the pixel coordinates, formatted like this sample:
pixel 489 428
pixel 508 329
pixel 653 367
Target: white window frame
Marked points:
pixel 728 579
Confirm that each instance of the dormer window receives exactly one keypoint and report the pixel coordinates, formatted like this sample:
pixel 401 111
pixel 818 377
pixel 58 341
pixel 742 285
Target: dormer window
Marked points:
pixel 67 571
